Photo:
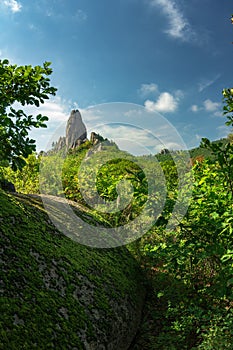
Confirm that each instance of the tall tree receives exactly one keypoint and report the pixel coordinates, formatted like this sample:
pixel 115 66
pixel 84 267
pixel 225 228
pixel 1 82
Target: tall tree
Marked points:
pixel 26 85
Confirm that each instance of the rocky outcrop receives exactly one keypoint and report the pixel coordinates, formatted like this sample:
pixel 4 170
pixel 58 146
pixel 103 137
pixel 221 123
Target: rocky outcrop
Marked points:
pixel 61 143
pixel 76 135
pixel 76 131
pixel 7 185
pixel 96 138
pixel 164 151
pixel 58 293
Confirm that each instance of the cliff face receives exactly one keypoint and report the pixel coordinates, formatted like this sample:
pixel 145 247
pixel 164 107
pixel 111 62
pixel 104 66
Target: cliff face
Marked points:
pixel 56 292
pixel 76 134
pixel 76 131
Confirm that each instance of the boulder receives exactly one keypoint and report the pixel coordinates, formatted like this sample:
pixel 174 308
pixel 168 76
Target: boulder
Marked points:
pixel 7 186
pixel 58 294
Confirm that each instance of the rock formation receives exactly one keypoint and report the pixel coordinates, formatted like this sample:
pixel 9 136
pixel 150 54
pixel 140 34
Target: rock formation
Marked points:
pixel 76 134
pixel 164 151
pixel 96 138
pixel 60 143
pixel 76 131
pixel 56 291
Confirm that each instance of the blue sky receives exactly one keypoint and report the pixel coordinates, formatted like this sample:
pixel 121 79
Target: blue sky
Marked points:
pixel 173 57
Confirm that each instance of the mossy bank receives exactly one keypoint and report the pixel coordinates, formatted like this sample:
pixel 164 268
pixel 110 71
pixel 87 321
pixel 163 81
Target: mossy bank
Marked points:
pixel 56 293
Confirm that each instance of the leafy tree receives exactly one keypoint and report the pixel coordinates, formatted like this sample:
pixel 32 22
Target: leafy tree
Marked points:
pixel 224 151
pixel 25 180
pixel 25 85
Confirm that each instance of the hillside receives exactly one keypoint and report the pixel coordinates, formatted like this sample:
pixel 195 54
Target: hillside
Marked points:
pixel 200 151
pixel 58 294
pixel 195 152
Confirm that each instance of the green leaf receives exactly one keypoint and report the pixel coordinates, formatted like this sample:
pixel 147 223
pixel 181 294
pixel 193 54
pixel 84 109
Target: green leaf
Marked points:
pixel 26 85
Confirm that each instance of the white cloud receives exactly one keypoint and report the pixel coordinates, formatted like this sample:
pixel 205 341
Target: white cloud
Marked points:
pixel 206 83
pixel 52 13
pixel 179 27
pixel 208 106
pixel 139 141
pixel 54 109
pixel 134 112
pixel 223 131
pixel 147 89
pixel 91 118
pixel 211 106
pixel 57 111
pixel 13 5
pixel 80 15
pixel 165 103
pixel 194 108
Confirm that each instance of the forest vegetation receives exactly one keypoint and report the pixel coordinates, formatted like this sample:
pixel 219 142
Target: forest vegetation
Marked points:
pixel 189 268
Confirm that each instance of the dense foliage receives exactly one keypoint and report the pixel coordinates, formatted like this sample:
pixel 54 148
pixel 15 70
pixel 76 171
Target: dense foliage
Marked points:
pixel 25 85
pixel 190 267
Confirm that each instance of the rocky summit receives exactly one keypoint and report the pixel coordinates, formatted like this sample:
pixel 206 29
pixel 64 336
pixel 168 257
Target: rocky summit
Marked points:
pixel 76 131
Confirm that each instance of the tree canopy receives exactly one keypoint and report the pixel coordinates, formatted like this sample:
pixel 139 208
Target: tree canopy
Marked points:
pixel 26 85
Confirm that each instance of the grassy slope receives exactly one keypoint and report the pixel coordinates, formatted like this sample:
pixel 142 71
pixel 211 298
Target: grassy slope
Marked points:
pixel 55 291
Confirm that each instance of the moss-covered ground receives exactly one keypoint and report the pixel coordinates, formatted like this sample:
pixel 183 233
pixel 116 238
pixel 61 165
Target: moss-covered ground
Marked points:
pixel 52 287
